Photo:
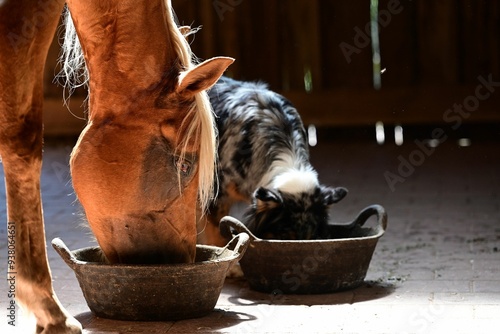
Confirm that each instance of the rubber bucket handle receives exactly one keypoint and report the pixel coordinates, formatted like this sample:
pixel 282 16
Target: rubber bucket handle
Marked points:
pixel 239 244
pixel 65 253
pixel 229 226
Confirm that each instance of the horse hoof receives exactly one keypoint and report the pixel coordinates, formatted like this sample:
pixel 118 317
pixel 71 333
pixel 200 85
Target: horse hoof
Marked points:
pixel 70 326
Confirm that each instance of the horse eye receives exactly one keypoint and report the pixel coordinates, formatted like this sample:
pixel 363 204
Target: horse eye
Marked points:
pixel 183 166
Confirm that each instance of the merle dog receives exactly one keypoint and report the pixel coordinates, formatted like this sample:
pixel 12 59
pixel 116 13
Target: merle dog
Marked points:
pixel 264 160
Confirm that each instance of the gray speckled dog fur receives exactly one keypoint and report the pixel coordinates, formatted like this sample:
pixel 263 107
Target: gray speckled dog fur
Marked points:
pixel 264 160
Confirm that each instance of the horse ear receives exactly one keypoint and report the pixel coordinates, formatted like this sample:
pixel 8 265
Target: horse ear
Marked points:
pixel 185 30
pixel 202 76
pixel 267 199
pixel 333 195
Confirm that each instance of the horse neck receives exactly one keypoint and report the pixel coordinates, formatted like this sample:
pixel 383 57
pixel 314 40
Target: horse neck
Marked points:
pixel 127 49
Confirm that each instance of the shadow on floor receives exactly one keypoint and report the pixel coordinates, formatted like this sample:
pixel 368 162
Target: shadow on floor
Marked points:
pixel 237 296
pixel 238 293
pixel 218 319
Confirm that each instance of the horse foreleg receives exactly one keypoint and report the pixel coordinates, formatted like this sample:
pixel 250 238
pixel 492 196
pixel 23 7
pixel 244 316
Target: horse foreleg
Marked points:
pixel 30 268
pixel 26 31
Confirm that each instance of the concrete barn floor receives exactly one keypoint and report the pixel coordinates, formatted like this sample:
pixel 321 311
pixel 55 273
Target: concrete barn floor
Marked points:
pixel 436 270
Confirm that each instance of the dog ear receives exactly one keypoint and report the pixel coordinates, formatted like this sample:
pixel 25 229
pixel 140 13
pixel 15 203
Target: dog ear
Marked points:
pixel 267 198
pixel 333 195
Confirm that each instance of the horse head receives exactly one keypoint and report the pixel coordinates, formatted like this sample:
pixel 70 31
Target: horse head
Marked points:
pixel 145 161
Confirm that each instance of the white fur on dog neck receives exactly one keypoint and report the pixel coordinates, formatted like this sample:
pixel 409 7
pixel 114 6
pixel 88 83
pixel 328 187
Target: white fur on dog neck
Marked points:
pixel 296 181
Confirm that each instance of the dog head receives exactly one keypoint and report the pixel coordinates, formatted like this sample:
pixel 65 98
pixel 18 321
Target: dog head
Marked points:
pixel 277 214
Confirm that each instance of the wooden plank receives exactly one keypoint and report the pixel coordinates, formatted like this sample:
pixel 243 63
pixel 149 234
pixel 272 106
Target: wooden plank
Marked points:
pixel 434 52
pixel 343 27
pixel 248 44
pixel 59 121
pixel 185 11
pixel 207 21
pixel 471 49
pixel 480 24
pixel 398 43
pixel 428 105
pixel 52 69
pixel 264 50
pixel 493 30
pixel 227 37
pixel 52 87
pixel 342 107
pixel 438 41
pixel 301 43
pixel 314 55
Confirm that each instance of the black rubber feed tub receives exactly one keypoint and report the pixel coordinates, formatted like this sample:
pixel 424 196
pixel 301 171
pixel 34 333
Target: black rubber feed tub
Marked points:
pixel 153 292
pixel 311 266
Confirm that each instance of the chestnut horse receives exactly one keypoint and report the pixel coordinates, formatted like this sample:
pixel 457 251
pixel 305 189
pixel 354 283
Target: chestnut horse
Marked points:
pixel 145 161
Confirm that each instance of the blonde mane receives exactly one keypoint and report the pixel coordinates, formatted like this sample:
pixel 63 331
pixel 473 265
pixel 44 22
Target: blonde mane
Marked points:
pixel 73 72
pixel 202 124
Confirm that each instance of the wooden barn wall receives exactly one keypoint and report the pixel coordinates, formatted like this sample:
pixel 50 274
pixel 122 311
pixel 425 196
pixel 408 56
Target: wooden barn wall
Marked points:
pixel 432 52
